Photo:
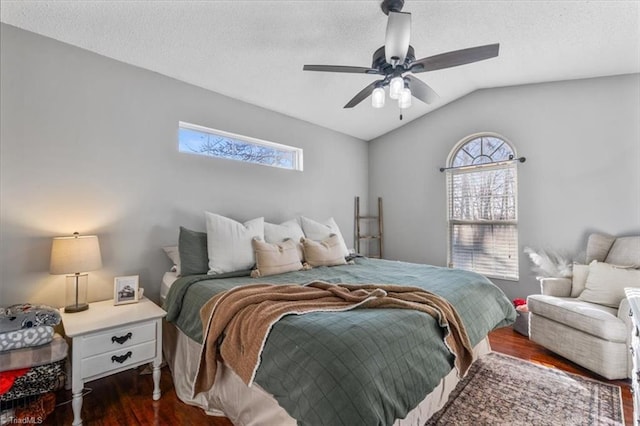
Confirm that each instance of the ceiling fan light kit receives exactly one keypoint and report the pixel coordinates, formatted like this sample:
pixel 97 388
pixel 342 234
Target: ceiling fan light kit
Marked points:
pixel 396 62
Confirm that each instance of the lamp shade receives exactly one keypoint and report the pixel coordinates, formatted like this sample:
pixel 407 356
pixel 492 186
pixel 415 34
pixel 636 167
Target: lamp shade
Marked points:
pixel 70 255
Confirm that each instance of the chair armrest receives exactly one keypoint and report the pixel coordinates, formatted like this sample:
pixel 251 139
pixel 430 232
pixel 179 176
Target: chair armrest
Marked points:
pixel 623 313
pixel 558 287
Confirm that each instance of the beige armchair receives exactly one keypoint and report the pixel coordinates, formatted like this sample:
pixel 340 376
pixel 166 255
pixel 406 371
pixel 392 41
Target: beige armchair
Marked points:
pixel 593 335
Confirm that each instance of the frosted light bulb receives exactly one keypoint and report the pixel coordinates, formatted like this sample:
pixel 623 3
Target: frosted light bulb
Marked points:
pixel 377 97
pixel 395 87
pixel 405 98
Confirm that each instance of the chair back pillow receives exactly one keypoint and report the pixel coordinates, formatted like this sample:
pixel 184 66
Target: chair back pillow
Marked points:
pixel 598 246
pixel 625 251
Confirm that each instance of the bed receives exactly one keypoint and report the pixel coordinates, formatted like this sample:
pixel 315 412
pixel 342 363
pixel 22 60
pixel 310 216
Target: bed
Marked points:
pixel 366 366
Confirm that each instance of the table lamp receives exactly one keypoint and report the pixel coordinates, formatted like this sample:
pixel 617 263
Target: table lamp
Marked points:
pixel 73 255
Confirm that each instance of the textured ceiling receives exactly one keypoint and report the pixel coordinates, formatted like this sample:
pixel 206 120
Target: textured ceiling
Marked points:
pixel 254 50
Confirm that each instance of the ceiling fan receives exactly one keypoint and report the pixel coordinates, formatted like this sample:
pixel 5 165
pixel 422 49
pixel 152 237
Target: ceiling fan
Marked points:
pixel 396 62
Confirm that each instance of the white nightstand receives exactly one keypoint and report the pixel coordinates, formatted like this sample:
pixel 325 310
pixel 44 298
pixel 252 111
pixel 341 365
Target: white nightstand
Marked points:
pixel 107 339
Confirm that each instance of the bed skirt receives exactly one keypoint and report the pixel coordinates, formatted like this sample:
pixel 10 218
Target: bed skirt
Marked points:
pixel 249 406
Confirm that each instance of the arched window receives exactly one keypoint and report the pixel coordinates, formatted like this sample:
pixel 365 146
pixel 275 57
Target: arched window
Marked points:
pixel 482 206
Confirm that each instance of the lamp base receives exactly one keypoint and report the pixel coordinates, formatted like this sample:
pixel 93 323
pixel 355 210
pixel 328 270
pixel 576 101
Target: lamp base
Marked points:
pixel 76 293
pixel 76 308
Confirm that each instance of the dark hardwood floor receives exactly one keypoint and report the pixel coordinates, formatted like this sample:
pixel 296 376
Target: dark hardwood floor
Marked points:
pixel 125 398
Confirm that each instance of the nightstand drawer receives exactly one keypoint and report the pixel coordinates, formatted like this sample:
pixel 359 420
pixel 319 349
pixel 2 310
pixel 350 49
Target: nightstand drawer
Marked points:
pixel 118 338
pixel 117 359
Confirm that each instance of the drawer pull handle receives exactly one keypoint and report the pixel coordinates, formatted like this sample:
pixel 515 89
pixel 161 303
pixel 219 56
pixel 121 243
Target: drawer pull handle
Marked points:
pixel 631 350
pixel 121 339
pixel 121 358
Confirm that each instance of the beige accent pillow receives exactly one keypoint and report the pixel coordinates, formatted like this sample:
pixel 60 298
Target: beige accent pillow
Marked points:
pixel 579 280
pixel 289 230
pixel 320 231
pixel 329 252
pixel 274 259
pixel 606 283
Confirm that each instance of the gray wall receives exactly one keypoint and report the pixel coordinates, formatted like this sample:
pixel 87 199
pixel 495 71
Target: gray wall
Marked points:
pixel 89 144
pixel 582 174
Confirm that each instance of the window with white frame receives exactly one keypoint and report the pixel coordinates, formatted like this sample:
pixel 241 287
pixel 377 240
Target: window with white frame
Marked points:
pixel 201 140
pixel 482 195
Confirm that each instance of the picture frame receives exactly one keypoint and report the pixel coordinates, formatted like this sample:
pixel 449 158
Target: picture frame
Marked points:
pixel 125 290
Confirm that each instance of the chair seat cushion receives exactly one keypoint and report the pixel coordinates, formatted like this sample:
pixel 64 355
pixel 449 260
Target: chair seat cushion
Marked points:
pixel 597 320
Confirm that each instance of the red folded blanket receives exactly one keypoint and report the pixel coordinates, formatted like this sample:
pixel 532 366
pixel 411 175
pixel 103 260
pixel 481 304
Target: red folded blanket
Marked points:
pixel 7 378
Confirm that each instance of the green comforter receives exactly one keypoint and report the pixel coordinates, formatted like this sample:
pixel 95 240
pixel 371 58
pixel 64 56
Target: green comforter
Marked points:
pixel 360 367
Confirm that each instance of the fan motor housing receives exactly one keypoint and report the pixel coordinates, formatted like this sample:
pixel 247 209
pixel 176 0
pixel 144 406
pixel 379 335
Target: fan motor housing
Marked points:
pixel 379 60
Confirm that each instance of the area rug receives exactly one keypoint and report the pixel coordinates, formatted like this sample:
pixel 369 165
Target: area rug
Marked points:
pixel 502 390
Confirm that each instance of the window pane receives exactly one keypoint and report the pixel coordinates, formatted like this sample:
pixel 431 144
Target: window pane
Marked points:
pixel 482 150
pixel 483 194
pixel 490 250
pixel 200 140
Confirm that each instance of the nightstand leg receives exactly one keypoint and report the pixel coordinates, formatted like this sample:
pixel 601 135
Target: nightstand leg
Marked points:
pixel 156 380
pixel 77 408
pixel 158 361
pixel 77 386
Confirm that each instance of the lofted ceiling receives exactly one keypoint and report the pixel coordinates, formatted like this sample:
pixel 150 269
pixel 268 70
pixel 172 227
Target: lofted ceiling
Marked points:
pixel 254 50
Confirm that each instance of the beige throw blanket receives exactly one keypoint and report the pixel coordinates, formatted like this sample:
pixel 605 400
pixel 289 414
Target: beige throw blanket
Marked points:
pixel 238 321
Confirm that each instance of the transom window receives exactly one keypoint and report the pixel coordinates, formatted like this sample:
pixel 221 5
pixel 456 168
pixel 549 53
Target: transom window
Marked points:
pixel 482 207
pixel 201 140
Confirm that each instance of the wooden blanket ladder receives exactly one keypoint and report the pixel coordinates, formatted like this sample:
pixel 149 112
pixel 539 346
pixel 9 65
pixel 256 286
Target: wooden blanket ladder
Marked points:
pixel 369 228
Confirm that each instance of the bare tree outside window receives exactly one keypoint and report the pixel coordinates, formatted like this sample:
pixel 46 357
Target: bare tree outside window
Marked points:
pixel 199 140
pixel 482 200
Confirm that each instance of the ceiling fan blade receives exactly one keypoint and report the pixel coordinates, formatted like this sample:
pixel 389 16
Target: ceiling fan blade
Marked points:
pixel 362 95
pixel 340 68
pixel 398 36
pixel 422 90
pixel 455 58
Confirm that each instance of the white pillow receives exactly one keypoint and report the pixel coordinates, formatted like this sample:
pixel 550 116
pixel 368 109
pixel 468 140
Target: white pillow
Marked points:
pixel 320 231
pixel 606 283
pixel 229 243
pixel 289 230
pixel 173 254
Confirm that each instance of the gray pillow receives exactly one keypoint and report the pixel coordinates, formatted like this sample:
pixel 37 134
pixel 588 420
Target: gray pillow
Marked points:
pixel 194 258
